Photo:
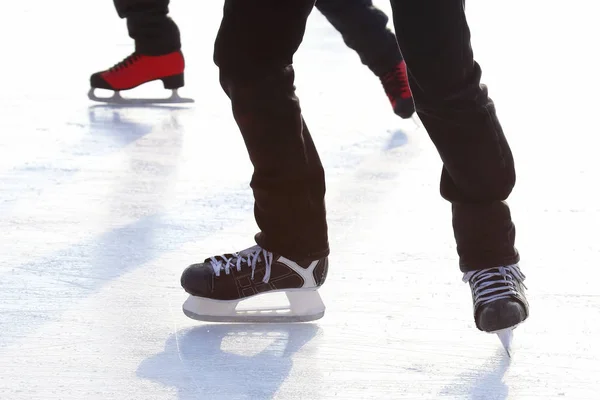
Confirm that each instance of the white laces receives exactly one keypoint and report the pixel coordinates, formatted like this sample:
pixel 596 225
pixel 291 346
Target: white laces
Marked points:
pixel 249 257
pixel 492 284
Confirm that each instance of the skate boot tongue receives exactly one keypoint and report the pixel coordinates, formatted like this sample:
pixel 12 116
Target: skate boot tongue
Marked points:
pixel 250 251
pixel 127 61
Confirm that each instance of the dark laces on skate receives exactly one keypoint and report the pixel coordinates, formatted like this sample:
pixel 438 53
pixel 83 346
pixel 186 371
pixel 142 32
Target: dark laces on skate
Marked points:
pixel 129 60
pixel 395 82
pixel 493 284
pixel 248 258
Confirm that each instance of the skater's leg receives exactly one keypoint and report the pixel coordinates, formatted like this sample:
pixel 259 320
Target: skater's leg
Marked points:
pixel 149 26
pixel 478 173
pixel 254 50
pixel 157 54
pixel 364 29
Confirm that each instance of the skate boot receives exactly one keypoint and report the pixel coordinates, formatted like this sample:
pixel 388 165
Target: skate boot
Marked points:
pixel 136 70
pixel 217 285
pixel 499 302
pixel 395 84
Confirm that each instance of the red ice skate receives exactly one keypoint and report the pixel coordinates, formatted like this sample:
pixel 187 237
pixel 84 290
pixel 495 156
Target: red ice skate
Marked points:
pixel 136 70
pixel 395 84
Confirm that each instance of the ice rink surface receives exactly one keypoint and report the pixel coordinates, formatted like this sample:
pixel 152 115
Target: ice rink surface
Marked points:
pixel 102 207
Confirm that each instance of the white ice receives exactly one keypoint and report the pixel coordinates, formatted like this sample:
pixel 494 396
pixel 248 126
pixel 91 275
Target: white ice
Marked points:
pixel 102 207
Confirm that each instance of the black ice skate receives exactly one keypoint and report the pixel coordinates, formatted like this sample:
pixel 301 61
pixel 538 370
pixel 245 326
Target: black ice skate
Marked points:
pixel 499 302
pixel 217 285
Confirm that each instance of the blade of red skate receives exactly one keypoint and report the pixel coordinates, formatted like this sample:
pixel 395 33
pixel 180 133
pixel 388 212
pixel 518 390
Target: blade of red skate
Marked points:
pixel 118 99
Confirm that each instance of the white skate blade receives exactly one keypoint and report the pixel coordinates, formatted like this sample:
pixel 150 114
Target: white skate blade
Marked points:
pixel 116 98
pixel 506 337
pixel 304 306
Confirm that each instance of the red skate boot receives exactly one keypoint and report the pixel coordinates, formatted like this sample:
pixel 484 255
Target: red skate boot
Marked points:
pixel 136 70
pixel 395 84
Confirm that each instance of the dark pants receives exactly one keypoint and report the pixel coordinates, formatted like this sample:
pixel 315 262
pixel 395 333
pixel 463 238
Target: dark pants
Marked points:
pixel 149 26
pixel 364 29
pixel 254 50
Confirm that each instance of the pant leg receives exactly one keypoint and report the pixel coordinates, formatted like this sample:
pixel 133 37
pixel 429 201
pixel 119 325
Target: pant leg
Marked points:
pixel 149 26
pixel 253 50
pixel 364 29
pixel 478 173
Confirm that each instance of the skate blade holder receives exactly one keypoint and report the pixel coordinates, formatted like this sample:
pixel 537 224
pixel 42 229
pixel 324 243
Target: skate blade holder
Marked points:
pixel 304 306
pixel 116 98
